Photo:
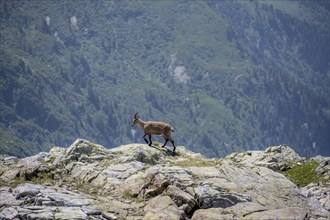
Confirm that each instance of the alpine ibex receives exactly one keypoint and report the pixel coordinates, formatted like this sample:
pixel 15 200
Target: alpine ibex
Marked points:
pixel 154 128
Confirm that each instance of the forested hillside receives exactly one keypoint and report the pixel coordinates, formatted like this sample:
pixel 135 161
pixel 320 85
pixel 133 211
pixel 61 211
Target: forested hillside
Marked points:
pixel 227 75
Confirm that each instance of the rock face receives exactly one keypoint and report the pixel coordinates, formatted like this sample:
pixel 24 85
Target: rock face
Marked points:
pixel 135 181
pixel 275 158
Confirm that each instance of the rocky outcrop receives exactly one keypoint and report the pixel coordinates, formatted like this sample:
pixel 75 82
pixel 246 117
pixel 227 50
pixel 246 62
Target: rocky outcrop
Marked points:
pixel 275 158
pixel 31 201
pixel 250 210
pixel 135 181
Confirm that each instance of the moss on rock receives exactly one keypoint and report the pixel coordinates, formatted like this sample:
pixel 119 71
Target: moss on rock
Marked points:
pixel 304 173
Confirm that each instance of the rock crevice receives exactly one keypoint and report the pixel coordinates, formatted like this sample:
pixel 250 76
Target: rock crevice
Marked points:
pixel 135 181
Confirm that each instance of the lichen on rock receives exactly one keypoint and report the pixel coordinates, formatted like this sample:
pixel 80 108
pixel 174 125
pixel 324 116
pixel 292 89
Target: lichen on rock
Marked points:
pixel 136 181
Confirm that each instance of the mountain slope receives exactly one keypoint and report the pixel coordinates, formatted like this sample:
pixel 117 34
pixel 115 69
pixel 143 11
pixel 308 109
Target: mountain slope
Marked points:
pixel 226 75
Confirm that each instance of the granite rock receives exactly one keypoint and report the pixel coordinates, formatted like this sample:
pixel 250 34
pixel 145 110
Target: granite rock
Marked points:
pixel 137 181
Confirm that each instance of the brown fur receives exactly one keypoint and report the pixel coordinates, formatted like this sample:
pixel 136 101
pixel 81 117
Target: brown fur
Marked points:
pixel 154 128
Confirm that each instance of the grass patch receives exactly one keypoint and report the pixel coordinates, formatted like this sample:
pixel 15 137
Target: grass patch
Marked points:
pixel 12 184
pixel 304 174
pixel 135 199
pixel 193 162
pixel 117 152
pixel 41 178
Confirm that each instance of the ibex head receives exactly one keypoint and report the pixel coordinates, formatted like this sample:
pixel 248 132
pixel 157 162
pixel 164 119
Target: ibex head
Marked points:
pixel 135 118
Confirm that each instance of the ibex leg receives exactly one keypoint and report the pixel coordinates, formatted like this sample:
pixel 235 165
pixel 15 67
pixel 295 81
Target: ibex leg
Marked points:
pixel 144 137
pixel 166 140
pixel 173 145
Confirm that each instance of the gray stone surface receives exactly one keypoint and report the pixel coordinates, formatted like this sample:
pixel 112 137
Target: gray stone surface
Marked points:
pixel 9 213
pixel 182 199
pixel 136 181
pixel 162 207
pixel 27 189
pixel 214 197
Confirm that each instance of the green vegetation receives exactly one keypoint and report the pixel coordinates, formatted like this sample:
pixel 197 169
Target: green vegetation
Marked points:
pixel 227 75
pixel 49 178
pixel 40 178
pixel 304 174
pixel 186 161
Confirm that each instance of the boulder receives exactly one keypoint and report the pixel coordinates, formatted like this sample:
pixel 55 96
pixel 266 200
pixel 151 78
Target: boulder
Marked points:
pixel 79 148
pixel 319 214
pixel 214 197
pixel 116 173
pixel 8 160
pixel 9 213
pixel 41 213
pixel 138 152
pixel 155 180
pixel 240 210
pixel 66 198
pixel 319 197
pixel 162 207
pixel 109 216
pixel 249 210
pixel 262 184
pixel 70 213
pixel 183 200
pixel 135 184
pixel 178 176
pixel 275 157
pixel 10 174
pixel 26 189
pixel 85 172
pixel 145 184
pixel 57 151
pixel 35 160
pixel 31 201
pixel 324 167
pixel 156 186
pixel 284 213
pixel 211 214
pixel 7 198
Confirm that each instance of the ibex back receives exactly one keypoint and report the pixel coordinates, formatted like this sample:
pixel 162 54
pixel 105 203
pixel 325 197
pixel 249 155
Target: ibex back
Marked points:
pixel 154 128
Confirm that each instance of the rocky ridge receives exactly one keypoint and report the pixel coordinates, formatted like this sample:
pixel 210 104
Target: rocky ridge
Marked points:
pixel 135 181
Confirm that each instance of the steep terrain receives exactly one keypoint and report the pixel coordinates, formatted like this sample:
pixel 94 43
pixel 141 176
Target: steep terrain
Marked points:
pixel 135 181
pixel 227 75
